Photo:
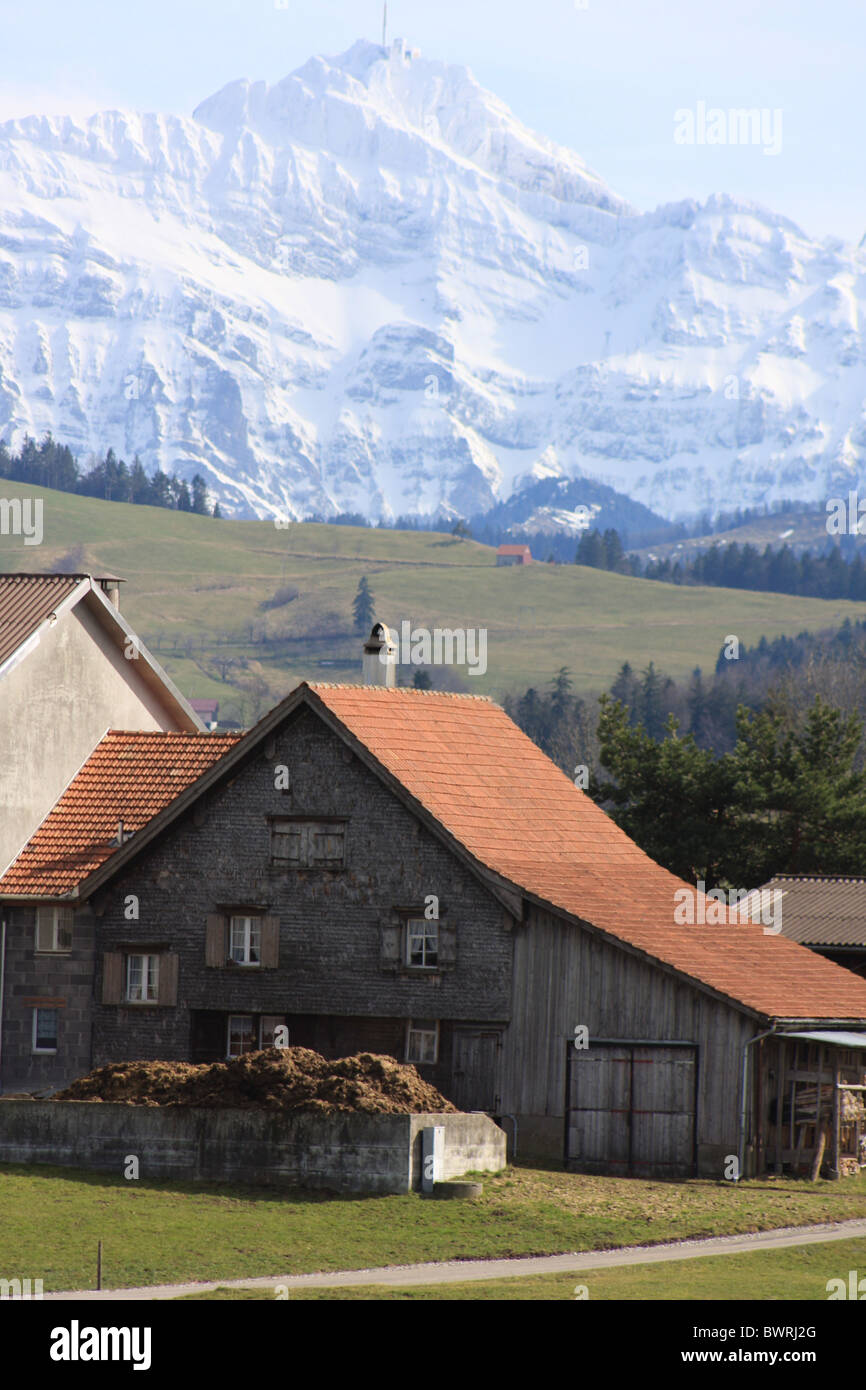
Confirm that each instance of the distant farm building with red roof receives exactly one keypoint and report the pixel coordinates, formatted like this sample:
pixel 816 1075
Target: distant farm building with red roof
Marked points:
pixel 405 872
pixel 513 555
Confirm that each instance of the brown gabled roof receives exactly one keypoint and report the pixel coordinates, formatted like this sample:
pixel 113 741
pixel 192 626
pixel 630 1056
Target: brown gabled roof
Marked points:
pixel 488 784
pixel 26 601
pixel 129 777
pixel 822 910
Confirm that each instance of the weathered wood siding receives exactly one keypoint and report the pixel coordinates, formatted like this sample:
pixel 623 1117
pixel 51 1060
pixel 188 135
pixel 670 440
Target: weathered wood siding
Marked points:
pixel 565 975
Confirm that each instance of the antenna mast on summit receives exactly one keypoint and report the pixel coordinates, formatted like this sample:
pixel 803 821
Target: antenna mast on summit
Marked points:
pixel 385 25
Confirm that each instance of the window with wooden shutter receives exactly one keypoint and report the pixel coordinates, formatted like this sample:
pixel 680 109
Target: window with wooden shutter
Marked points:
pixel 245 940
pixel 168 973
pixel 112 977
pixel 422 943
pixel 390 943
pixel 327 845
pixel 270 938
pixel 447 944
pixel 215 946
pixel 142 977
pixel 298 843
pixel 287 843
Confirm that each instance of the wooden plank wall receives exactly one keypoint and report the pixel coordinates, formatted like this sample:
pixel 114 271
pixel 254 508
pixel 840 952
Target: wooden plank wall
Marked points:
pixel 565 975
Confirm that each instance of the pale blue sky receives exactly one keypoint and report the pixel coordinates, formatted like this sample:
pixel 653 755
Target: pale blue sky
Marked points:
pixel 605 79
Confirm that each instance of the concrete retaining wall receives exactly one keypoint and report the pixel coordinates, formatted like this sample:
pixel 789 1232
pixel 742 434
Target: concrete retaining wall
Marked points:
pixel 343 1153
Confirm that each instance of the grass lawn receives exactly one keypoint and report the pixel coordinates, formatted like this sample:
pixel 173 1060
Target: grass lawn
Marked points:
pixel 196 587
pixel 163 1232
pixel 798 1274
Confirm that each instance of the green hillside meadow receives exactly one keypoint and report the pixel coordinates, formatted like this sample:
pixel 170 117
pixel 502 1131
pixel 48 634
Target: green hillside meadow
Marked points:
pixel 195 588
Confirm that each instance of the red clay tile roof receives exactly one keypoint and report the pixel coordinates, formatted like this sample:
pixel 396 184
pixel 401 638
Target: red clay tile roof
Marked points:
pixel 128 777
pixel 487 784
pixel 506 802
pixel 26 600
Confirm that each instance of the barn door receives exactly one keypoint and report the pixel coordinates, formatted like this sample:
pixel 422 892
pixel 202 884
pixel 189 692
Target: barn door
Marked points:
pixel 475 1069
pixel 663 1111
pixel 630 1108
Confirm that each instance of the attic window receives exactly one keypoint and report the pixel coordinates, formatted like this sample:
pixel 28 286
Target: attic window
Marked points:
pixel 308 844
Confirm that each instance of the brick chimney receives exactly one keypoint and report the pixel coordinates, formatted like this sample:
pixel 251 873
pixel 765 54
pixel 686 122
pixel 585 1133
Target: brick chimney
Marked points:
pixel 380 657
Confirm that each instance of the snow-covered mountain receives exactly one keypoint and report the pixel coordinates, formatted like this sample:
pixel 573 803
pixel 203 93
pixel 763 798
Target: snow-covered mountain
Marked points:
pixel 371 288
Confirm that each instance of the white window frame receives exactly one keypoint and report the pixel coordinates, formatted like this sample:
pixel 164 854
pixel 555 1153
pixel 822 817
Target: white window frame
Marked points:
pixel 420 928
pixel 412 1029
pixel 44 1051
pixel 247 947
pixel 146 958
pixel 55 929
pixel 252 1018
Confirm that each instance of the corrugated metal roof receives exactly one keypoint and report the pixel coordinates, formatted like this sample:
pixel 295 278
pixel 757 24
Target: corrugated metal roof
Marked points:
pixel 834 1039
pixel 26 600
pixel 819 910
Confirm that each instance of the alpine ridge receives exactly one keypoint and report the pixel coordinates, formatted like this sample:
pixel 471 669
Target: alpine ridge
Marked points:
pixel 370 288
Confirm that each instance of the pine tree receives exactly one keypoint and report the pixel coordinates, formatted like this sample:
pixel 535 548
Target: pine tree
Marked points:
pixel 560 699
pixel 591 551
pixel 180 492
pixel 199 496
pixel 363 608
pixel 613 549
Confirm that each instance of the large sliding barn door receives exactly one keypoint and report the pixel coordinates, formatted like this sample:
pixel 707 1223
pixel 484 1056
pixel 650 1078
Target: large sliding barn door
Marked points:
pixel 631 1108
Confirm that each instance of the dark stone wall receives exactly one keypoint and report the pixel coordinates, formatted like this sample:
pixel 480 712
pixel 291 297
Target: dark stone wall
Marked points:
pixel 331 933
pixel 65 978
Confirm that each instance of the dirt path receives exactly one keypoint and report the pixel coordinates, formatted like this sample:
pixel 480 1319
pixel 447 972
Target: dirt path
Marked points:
pixel 466 1271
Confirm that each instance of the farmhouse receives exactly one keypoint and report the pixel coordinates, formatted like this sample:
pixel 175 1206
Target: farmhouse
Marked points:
pixel 71 667
pixel 405 872
pixel 513 555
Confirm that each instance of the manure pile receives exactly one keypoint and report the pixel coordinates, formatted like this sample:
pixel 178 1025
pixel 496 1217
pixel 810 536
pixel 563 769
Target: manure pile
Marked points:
pixel 292 1078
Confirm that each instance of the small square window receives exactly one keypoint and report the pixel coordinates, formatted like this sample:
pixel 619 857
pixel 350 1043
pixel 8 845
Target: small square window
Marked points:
pixel 422 1040
pixel 45 1022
